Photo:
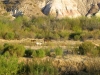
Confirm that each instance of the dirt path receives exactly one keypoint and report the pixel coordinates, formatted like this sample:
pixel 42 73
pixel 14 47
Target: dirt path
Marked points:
pixel 28 43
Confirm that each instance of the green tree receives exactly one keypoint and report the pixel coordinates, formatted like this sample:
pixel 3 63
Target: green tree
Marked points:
pixel 8 65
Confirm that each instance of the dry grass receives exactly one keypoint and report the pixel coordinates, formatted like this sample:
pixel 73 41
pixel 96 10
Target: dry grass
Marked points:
pixel 75 63
pixel 82 65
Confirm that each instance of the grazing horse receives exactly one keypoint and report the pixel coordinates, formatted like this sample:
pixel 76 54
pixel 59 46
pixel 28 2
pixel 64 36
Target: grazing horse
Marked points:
pixel 33 40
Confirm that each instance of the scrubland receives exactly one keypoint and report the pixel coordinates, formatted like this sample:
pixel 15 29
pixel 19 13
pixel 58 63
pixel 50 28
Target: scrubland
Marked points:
pixel 68 46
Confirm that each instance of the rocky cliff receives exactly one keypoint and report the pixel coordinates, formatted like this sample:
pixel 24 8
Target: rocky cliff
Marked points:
pixel 56 8
pixel 61 8
pixel 72 8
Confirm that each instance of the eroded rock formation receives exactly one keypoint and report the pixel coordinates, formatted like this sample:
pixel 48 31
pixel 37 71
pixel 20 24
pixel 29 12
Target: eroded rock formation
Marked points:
pixel 61 8
pixel 30 8
pixel 56 8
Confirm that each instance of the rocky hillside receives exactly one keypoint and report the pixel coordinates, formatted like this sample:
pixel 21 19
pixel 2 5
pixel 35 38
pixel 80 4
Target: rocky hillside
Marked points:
pixel 56 8
pixel 30 8
pixel 72 8
pixel 61 8
pixel 16 8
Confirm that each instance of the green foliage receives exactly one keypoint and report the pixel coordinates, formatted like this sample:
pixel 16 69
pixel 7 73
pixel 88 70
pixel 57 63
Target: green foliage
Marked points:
pixel 8 66
pixel 75 36
pixel 9 35
pixel 1 48
pixel 14 49
pixel 43 68
pixel 40 53
pixel 34 54
pixel 28 52
pixel 58 51
pixel 47 52
pixel 50 28
pixel 90 24
pixel 64 34
pixel 87 48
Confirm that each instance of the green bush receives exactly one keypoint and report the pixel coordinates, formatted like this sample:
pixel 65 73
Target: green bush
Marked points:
pixel 90 24
pixel 34 54
pixel 64 34
pixel 43 68
pixel 87 48
pixel 8 66
pixel 77 28
pixel 47 52
pixel 39 53
pixel 28 52
pixel 14 49
pixel 75 36
pixel 9 35
pixel 1 49
pixel 58 51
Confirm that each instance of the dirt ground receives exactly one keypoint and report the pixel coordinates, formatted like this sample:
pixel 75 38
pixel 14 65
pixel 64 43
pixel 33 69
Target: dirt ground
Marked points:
pixel 40 43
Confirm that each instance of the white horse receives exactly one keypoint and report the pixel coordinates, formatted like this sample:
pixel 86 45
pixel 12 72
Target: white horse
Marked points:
pixel 38 43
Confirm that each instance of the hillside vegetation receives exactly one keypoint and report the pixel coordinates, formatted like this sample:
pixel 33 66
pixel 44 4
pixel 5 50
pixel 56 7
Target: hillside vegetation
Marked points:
pixel 16 60
pixel 83 59
pixel 68 46
pixel 50 28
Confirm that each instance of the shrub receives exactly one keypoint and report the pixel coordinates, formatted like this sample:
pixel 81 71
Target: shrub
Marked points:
pixel 90 24
pixel 14 50
pixel 9 35
pixel 34 54
pixel 75 36
pixel 64 34
pixel 58 51
pixel 1 49
pixel 87 48
pixel 47 52
pixel 8 66
pixel 40 53
pixel 28 52
pixel 43 68
pixel 77 28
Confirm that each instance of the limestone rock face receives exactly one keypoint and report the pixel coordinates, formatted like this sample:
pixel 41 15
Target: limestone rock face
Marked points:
pixel 61 8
